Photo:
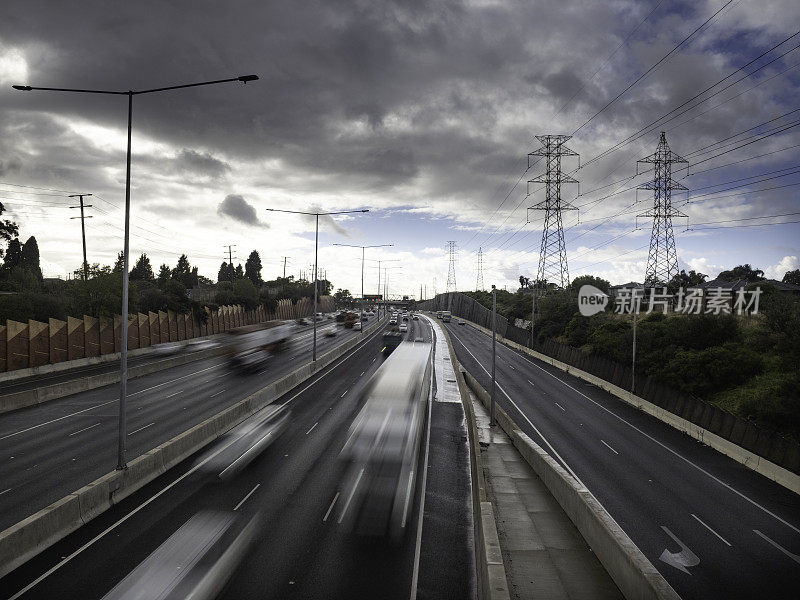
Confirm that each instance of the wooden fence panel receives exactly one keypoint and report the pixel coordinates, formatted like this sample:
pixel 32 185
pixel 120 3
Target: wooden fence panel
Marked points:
pixel 91 336
pixel 38 343
pixel 75 347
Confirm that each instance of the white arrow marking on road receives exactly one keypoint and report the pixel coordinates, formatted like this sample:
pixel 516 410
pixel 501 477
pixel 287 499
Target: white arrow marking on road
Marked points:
pixel 679 560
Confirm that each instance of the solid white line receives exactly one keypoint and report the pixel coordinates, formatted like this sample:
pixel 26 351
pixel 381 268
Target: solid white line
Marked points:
pixel 651 438
pixel 243 500
pixel 559 406
pixel 4 491
pixel 794 557
pixel 218 393
pixel 524 416
pixel 330 508
pixel 709 528
pixel 140 428
pixel 609 447
pixel 312 428
pixel 175 394
pixel 58 419
pixel 345 393
pixel 84 429
pixel 174 380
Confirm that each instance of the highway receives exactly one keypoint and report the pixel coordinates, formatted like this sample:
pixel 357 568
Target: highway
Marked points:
pixel 294 488
pixel 54 448
pixel 712 527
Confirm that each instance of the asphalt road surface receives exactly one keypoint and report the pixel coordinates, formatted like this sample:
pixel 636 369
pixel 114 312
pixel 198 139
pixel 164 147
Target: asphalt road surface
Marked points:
pixel 52 449
pixel 712 527
pixel 295 488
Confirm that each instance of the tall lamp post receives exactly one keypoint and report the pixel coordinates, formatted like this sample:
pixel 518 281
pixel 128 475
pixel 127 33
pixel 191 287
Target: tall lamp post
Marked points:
pixel 123 377
pixel 379 281
pixel 363 251
pixel 386 282
pixel 316 246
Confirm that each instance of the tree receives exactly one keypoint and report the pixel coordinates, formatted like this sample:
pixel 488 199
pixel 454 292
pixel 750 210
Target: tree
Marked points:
pixel 252 268
pixel 745 272
pixel 245 293
pixel 184 273
pixel 119 264
pixel 226 272
pixel 30 257
pixel 164 275
pixel 792 277
pixel 686 280
pixel 238 273
pixel 598 282
pixel 8 229
pixel 142 271
pixel 524 281
pixel 343 297
pixel 13 256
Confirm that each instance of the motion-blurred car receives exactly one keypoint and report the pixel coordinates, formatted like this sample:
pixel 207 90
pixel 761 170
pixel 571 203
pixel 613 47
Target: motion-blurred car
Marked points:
pixel 301 322
pixel 167 348
pixel 403 328
pixel 330 333
pixel 461 322
pixel 416 317
pixel 197 345
pixel 357 325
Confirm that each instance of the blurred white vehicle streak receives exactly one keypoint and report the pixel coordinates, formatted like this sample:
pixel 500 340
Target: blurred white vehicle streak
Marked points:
pixel 383 445
pixel 243 444
pixel 195 562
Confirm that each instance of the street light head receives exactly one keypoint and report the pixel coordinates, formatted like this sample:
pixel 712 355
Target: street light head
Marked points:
pixel 246 78
pixel 365 210
pixel 24 88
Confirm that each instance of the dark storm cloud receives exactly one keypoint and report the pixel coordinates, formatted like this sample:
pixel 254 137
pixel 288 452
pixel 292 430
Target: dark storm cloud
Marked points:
pixel 10 165
pixel 239 209
pixel 202 164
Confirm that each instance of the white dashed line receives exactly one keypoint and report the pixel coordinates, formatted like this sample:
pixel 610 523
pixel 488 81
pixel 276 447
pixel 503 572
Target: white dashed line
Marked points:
pixel 344 393
pixel 609 447
pixel 559 406
pixel 218 393
pixel 246 497
pixel 140 428
pixel 330 508
pixel 84 429
pixel 175 394
pixel 709 528
pixel 312 428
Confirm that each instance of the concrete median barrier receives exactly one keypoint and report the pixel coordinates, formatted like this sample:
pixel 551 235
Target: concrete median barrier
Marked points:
pixel 26 539
pixel 633 573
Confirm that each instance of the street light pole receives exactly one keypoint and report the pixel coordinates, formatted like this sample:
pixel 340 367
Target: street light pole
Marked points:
pixel 316 247
pixel 494 352
pixel 123 384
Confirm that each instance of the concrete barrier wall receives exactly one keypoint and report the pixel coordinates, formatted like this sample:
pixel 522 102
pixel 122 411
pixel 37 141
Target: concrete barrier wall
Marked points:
pixel 633 573
pixel 26 539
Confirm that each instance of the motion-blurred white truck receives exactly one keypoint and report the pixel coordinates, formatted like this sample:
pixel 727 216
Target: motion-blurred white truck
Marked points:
pixel 252 345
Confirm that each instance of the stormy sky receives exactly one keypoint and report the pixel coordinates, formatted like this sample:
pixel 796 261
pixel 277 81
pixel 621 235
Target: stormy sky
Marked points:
pixel 422 112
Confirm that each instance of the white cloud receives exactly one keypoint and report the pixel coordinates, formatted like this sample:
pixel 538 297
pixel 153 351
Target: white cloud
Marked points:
pixel 787 263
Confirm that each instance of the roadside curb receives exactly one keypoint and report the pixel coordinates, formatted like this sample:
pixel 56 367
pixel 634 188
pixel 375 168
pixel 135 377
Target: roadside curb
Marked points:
pixel 24 540
pixel 630 569
pixel 759 464
pixel 492 580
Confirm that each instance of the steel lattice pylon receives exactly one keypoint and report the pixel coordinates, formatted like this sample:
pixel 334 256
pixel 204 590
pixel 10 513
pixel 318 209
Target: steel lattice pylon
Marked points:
pixel 553 253
pixel 479 281
pixel 451 272
pixel 662 260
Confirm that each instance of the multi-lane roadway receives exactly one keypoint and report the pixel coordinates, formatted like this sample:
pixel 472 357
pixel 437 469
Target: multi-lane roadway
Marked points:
pixel 294 490
pixel 712 527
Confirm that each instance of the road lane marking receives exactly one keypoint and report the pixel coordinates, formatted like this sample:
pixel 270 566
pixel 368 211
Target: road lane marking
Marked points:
pixel 512 366
pixel 344 393
pixel 350 497
pixel 609 447
pixel 84 429
pixel 175 394
pixel 58 419
pixel 174 380
pixel 330 508
pixel 794 557
pixel 533 384
pixel 4 491
pixel 680 560
pixel 362 373
pixel 651 438
pixel 218 393
pixel 561 407
pixel 709 528
pixel 141 428
pixel 243 500
pixel 312 428
pixel 524 416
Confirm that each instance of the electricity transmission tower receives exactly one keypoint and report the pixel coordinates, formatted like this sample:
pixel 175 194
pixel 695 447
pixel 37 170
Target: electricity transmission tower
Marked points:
pixel 479 282
pixel 662 261
pixel 451 273
pixel 553 253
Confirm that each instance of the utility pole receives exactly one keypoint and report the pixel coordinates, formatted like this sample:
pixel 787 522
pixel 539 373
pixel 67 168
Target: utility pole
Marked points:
pixel 230 248
pixel 479 283
pixel 494 352
pixel 553 252
pixel 83 231
pixel 285 258
pixel 662 260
